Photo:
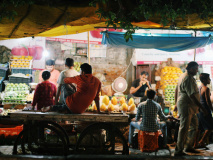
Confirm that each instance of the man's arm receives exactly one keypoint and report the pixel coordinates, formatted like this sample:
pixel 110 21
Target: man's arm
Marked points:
pixel 36 96
pixel 70 80
pixel 148 84
pixel 97 105
pixel 40 76
pixel 194 99
pixel 139 112
pixel 176 96
pixel 57 93
pixel 97 98
pixel 161 114
pixel 207 95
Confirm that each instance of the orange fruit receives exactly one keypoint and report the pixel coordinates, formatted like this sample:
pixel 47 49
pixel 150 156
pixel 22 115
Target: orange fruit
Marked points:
pixel 103 107
pixel 111 107
pixel 132 107
pixel 105 100
pixel 114 100
pixel 122 100
pixel 131 101
pixel 124 107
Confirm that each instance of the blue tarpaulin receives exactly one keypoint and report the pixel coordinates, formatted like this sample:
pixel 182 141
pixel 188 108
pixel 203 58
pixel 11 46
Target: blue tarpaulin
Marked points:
pixel 169 43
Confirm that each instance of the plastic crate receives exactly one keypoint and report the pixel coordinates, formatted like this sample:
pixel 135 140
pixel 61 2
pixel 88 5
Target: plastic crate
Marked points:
pixel 19 80
pixel 147 141
pixel 24 71
pixel 1 84
pixel 11 131
pixel 3 73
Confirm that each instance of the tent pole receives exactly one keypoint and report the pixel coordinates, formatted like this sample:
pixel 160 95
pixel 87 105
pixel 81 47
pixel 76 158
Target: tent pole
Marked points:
pixel 88 47
pixel 195 48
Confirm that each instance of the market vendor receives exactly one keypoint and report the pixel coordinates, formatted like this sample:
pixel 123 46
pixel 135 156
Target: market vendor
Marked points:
pixel 139 86
pixel 50 66
pixel 87 89
pixel 44 92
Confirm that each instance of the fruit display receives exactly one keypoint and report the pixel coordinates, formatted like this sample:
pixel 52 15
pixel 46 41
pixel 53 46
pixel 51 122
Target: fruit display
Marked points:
pixel 169 80
pixel 170 93
pixel 29 97
pixel 21 62
pixel 17 87
pixel 77 66
pixel 4 112
pixel 15 93
pixel 115 104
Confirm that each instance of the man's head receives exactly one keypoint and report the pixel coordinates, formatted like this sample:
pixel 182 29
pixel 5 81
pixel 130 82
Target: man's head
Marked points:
pixel 144 75
pixel 46 75
pixel 204 78
pixel 69 62
pixel 192 68
pixel 50 65
pixel 86 68
pixel 150 93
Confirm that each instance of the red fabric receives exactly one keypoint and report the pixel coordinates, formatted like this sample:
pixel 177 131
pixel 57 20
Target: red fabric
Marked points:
pixel 88 88
pixel 44 93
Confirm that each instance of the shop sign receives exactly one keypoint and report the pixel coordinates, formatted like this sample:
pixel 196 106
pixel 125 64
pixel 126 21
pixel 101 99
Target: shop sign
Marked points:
pixel 71 40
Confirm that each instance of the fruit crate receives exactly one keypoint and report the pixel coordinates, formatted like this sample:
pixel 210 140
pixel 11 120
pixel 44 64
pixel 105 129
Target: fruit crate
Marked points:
pixel 1 84
pixel 11 131
pixel 147 141
pixel 3 73
pixel 24 71
pixel 19 80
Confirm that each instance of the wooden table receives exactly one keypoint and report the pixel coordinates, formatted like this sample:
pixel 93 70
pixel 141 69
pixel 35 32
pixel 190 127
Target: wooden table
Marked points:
pixel 101 137
pixel 87 117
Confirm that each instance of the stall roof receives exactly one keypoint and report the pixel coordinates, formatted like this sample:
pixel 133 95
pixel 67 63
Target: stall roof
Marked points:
pixel 47 21
pixel 164 42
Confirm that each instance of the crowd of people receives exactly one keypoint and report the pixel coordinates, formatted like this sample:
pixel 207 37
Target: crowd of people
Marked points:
pixel 63 92
pixel 73 93
pixel 195 113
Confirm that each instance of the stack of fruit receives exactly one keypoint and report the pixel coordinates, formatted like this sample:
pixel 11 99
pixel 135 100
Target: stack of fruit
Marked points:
pixel 169 80
pixel 21 61
pixel 170 93
pixel 115 105
pixel 15 93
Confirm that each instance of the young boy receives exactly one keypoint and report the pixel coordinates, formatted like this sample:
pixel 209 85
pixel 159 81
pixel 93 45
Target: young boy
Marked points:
pixel 44 92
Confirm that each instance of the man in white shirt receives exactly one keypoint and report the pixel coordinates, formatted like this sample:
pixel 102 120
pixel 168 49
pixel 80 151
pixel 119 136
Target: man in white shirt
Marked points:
pixel 70 72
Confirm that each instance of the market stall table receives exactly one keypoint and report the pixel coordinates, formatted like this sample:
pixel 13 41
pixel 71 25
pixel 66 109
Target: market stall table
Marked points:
pixel 43 135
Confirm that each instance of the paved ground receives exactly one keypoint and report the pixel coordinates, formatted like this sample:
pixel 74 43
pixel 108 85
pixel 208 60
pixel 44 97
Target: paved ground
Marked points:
pixel 7 150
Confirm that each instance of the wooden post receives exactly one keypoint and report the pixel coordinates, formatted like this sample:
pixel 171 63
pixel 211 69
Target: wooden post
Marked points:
pixel 195 48
pixel 194 54
pixel 88 47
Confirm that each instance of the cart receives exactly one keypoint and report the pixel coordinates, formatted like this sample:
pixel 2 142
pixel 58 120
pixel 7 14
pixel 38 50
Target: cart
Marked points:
pixel 43 135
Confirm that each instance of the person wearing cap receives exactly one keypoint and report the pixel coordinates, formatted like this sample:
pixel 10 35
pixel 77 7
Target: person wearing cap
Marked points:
pixel 69 72
pixel 44 92
pixel 50 66
pixel 188 103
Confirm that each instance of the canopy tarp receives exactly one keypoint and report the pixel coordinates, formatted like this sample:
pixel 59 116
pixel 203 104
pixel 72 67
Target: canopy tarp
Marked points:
pixel 169 43
pixel 71 17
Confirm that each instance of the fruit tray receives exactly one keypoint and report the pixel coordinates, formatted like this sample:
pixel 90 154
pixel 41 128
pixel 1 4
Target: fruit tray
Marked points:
pixel 21 62
pixel 18 102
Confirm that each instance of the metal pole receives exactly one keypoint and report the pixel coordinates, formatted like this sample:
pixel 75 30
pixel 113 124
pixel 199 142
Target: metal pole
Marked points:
pixel 88 47
pixel 195 48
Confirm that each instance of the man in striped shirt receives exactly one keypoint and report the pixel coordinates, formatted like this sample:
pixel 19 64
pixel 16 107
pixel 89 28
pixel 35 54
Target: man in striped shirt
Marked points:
pixel 149 111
